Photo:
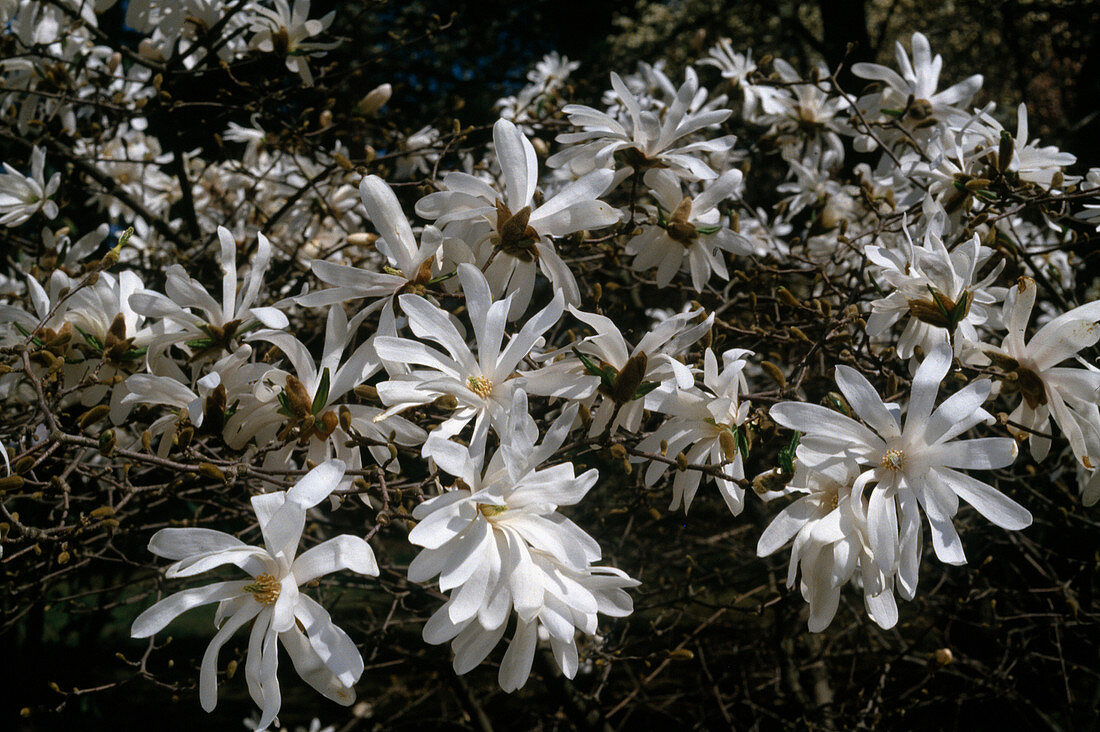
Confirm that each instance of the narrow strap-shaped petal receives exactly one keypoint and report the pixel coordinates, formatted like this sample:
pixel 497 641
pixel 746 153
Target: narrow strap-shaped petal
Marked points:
pixel 208 671
pixel 162 613
pixel 926 385
pixel 866 402
pixel 341 552
pixel 987 500
pixel 336 650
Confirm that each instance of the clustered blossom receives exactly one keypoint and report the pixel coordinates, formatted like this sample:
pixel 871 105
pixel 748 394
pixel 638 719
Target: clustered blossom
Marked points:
pixel 455 337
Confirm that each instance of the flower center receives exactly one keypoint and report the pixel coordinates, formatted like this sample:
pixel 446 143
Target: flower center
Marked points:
pixel 480 386
pixel 264 588
pixel 893 460
pixel 488 510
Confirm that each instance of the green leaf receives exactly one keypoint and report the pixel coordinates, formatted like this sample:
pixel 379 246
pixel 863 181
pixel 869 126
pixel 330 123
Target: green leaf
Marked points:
pixel 442 278
pixel 36 340
pixel 321 397
pixel 134 354
pixel 606 373
pixel 708 230
pixel 959 312
pixel 939 304
pixel 742 441
pixel 645 388
pixel 92 341
pixel 285 402
pixel 662 220
pixel 250 325
pixel 200 344
pixel 786 454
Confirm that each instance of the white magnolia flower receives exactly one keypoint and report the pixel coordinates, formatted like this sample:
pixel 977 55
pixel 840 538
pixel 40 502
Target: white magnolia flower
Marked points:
pixel 23 196
pixel 509 228
pixel 691 229
pixel 830 546
pixel 705 424
pixel 937 290
pixel 208 403
pixel 285 31
pixel 498 543
pixel 1031 162
pixel 1068 394
pixel 302 402
pixel 197 320
pixel 408 267
pixel 912 466
pixel 628 379
pixel 482 385
pixel 912 97
pixel 738 69
pixel 809 122
pixel 643 140
pixel 322 654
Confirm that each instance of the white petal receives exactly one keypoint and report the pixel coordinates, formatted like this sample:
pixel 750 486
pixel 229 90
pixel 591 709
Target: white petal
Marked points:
pixel 342 552
pixel 159 615
pixel 988 501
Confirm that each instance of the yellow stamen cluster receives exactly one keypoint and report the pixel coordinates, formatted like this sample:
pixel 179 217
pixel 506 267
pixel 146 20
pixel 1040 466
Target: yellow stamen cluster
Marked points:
pixel 489 510
pixel 480 386
pixel 264 588
pixel 893 460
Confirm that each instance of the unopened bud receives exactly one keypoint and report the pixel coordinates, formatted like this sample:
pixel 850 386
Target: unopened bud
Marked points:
pixel 774 373
pixel 374 100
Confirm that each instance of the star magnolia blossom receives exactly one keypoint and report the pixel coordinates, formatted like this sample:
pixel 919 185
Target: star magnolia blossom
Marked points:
pixel 510 228
pixel 220 325
pixel 1067 394
pixel 910 467
pixel 694 230
pixel 408 266
pixel 830 546
pixel 629 376
pixel 499 543
pixel 285 31
pixel 937 290
pixel 705 424
pixel 23 196
pixel 482 386
pixel 645 141
pixel 322 654
pixel 915 88
pixel 1031 162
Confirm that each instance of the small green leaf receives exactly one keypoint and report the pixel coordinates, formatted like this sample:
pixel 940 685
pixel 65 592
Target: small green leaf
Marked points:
pixel 250 325
pixel 134 354
pixel 442 278
pixel 742 441
pixel 320 399
pixel 285 402
pixel 786 454
pixel 92 341
pixel 708 230
pixel 645 388
pixel 939 304
pixel 607 374
pixel 199 344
